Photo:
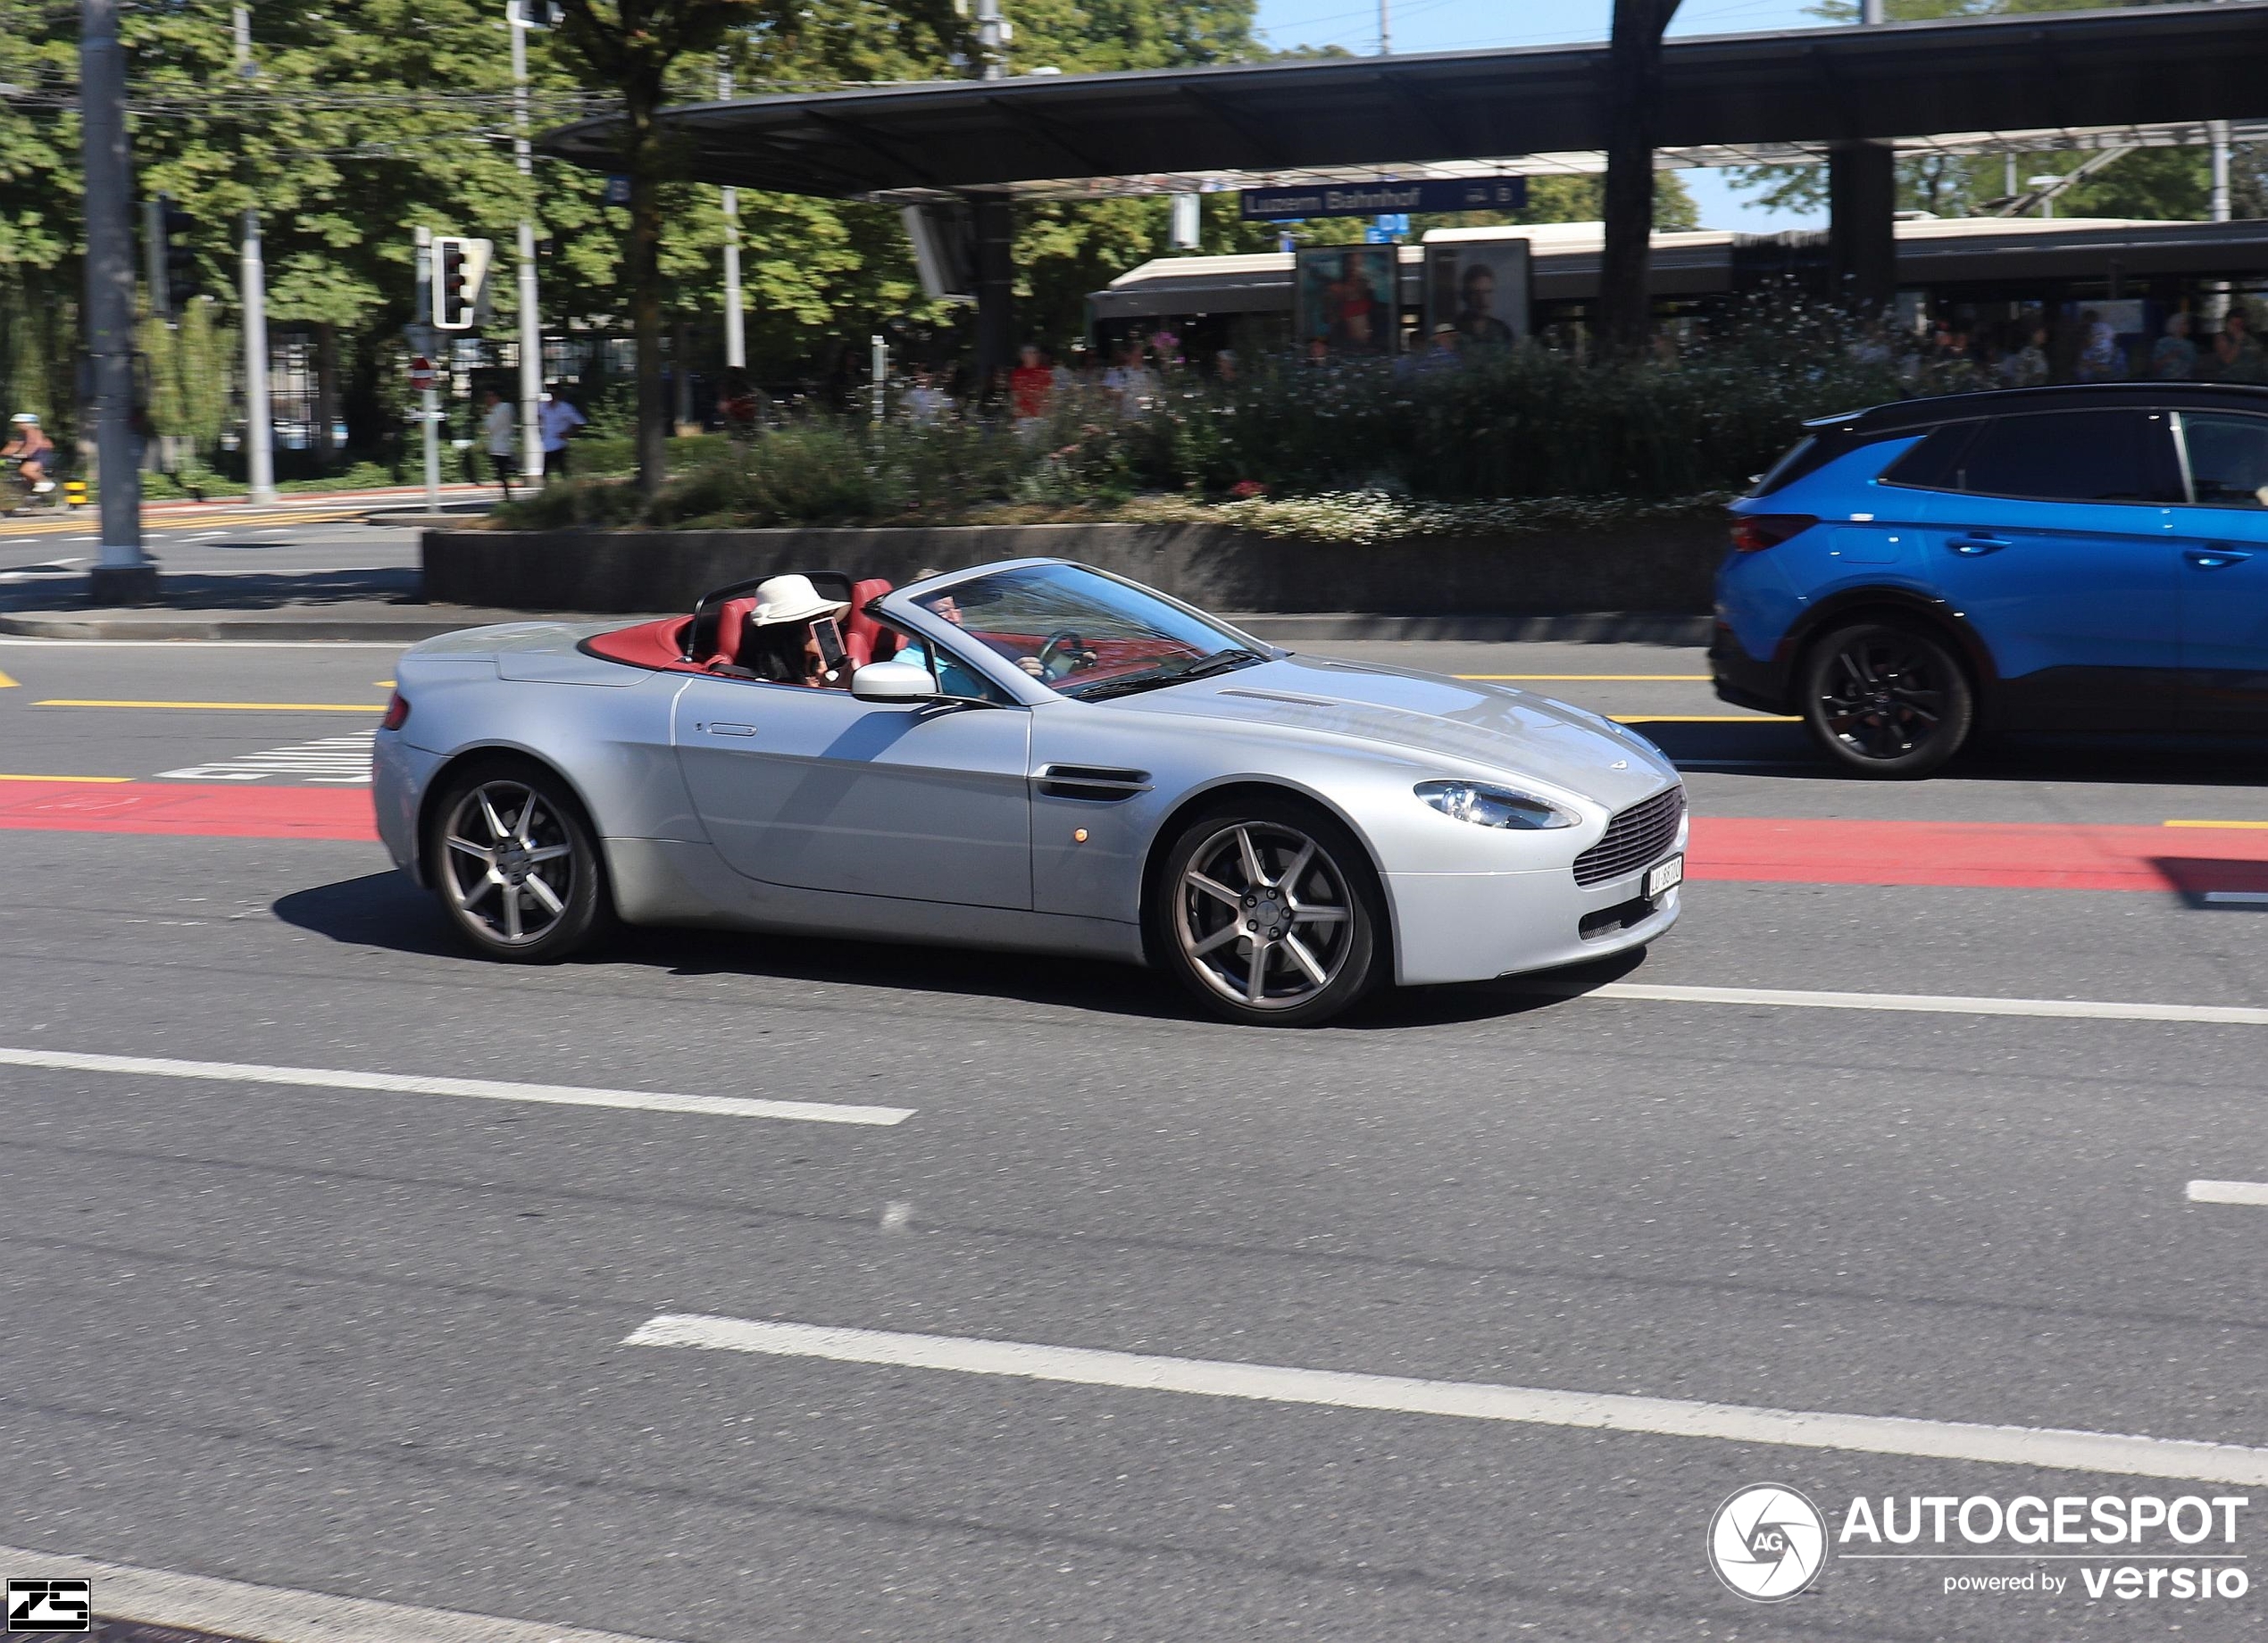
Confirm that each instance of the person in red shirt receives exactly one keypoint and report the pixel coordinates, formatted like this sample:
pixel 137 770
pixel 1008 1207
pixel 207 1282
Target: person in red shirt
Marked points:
pixel 1031 385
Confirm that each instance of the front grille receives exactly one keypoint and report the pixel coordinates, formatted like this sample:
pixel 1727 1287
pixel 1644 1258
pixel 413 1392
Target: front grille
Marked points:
pixel 1633 839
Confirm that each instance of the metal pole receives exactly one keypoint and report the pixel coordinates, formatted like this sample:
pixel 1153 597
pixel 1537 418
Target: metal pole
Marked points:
pixel 736 331
pixel 879 362
pixel 259 430
pixel 531 328
pixel 993 33
pixel 1870 11
pixel 2219 209
pixel 1386 28
pixel 122 572
pixel 430 408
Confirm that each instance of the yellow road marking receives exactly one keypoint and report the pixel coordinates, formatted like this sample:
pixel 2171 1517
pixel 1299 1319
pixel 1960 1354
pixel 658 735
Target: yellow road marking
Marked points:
pixel 383 683
pixel 2258 824
pixel 49 527
pixel 7 683
pixel 66 779
pixel 1678 679
pixel 232 707
pixel 1704 718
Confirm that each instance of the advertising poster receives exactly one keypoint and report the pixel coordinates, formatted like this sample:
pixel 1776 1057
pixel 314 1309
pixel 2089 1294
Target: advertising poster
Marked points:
pixel 1348 301
pixel 1478 290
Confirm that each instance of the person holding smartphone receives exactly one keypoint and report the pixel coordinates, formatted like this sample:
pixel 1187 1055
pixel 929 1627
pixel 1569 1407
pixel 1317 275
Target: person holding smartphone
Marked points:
pixel 795 637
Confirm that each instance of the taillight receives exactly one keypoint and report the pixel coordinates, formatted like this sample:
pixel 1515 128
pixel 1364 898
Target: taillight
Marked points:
pixel 1752 533
pixel 397 713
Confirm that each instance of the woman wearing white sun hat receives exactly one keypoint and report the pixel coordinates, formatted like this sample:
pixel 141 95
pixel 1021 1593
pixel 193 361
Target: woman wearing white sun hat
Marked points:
pixel 781 647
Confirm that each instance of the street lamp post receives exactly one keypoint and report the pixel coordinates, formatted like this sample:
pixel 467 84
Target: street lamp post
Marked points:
pixel 736 333
pixel 531 330
pixel 122 572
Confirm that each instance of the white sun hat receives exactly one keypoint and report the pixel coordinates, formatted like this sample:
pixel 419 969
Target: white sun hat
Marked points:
pixel 791 598
pixel 23 417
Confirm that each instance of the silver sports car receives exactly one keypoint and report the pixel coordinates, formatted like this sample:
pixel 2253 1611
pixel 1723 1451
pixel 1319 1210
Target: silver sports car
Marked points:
pixel 1031 754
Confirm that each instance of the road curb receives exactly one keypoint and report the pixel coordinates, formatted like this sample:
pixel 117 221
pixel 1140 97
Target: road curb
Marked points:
pixel 226 628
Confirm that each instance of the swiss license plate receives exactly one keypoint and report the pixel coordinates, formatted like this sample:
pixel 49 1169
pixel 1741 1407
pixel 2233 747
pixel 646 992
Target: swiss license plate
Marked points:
pixel 1664 877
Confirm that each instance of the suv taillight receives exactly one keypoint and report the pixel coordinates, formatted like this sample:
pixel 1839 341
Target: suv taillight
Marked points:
pixel 1752 533
pixel 397 713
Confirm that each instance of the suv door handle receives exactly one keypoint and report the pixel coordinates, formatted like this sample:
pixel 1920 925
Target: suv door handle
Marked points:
pixel 715 728
pixel 1976 543
pixel 2213 556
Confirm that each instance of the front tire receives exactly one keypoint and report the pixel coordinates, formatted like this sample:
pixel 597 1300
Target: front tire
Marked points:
pixel 1268 913
pixel 1883 699
pixel 516 864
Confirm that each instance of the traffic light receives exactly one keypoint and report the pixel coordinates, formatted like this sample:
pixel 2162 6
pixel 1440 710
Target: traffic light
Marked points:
pixel 170 260
pixel 461 282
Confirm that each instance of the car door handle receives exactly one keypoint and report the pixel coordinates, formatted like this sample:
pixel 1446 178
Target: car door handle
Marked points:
pixel 2214 557
pixel 726 730
pixel 1975 544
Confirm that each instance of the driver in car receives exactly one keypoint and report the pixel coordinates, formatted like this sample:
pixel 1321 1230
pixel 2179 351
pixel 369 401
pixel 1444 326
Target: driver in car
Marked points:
pixel 789 632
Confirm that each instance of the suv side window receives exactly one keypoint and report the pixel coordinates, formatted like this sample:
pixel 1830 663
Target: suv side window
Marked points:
pixel 2228 459
pixel 2063 456
pixel 1933 464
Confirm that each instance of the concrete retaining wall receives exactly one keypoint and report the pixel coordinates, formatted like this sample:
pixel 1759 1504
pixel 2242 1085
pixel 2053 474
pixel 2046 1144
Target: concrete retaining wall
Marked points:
pixel 1661 567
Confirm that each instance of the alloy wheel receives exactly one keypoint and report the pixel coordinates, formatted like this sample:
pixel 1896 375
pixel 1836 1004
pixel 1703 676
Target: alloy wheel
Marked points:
pixel 1883 696
pixel 509 863
pixel 1263 915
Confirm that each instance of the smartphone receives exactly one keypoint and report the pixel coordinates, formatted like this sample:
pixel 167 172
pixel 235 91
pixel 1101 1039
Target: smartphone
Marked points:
pixel 829 632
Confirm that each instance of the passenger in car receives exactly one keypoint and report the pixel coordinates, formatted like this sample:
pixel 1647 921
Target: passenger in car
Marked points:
pixel 781 646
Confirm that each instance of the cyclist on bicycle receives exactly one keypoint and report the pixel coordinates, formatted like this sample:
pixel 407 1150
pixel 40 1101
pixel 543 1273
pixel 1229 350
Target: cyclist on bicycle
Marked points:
pixel 32 452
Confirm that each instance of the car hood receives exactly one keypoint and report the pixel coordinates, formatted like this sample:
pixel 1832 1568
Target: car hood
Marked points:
pixel 1454 723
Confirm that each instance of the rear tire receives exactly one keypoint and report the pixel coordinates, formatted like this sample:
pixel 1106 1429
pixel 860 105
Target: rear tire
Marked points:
pixel 516 862
pixel 1885 699
pixel 1268 913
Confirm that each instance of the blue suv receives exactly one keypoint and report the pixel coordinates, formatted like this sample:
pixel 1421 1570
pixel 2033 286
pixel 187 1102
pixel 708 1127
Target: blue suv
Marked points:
pixel 2088 558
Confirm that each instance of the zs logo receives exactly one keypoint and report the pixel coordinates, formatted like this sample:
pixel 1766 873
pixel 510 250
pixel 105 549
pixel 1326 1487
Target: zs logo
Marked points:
pixel 50 1605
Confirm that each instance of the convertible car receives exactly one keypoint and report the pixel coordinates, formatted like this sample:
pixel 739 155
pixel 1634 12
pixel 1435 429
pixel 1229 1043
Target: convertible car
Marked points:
pixel 1034 756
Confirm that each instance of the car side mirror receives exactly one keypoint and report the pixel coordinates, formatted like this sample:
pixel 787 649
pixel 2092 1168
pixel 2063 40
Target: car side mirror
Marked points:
pixel 892 681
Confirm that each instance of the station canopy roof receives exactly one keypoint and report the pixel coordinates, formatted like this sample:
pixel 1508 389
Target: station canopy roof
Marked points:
pixel 2147 74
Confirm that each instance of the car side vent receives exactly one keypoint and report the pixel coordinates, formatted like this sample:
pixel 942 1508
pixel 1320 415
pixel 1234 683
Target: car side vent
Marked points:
pixel 1097 783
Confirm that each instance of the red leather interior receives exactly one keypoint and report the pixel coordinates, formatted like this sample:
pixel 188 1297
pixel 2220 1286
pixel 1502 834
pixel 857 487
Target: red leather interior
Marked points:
pixel 866 639
pixel 661 644
pixel 649 644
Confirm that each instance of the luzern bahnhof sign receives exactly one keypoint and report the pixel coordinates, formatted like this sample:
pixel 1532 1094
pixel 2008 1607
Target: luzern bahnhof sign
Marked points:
pixel 1369 199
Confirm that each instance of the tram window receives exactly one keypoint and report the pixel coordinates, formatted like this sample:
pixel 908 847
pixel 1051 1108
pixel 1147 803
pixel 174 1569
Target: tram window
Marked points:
pixel 1930 464
pixel 2061 456
pixel 2228 459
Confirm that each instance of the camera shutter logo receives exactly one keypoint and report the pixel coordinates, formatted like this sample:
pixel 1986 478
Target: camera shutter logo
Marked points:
pixel 51 1605
pixel 1767 1542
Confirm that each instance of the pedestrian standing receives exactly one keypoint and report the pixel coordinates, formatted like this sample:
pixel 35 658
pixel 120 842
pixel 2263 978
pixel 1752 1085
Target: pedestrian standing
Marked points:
pixel 499 428
pixel 558 419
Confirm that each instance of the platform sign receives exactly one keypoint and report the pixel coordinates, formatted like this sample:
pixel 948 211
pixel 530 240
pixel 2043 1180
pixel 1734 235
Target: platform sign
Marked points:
pixel 1296 202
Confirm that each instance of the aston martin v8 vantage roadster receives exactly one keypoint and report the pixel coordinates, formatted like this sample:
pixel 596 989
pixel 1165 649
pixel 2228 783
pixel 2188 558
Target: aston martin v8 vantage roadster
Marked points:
pixel 1033 755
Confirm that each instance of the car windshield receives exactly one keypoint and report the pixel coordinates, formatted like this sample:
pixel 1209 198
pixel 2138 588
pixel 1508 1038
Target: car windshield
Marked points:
pixel 1085 635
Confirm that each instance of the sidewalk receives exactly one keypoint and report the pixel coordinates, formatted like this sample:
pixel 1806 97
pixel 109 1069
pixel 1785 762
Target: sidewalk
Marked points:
pixel 387 606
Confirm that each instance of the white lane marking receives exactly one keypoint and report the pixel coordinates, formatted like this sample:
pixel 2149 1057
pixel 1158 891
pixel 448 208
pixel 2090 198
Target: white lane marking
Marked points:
pixel 2237 898
pixel 2229 1192
pixel 279 1614
pixel 2012 1445
pixel 335 761
pixel 477 1089
pixel 1924 1003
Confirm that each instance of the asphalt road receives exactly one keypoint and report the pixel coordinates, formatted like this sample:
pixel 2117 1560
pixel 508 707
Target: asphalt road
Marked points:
pixel 313 532
pixel 371 1343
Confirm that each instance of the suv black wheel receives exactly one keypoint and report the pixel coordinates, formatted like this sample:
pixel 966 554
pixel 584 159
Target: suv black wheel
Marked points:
pixel 1886 700
pixel 516 862
pixel 1268 912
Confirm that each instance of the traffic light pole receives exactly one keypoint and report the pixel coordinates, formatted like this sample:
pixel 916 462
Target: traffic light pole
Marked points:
pixel 123 573
pixel 259 427
pixel 531 329
pixel 430 406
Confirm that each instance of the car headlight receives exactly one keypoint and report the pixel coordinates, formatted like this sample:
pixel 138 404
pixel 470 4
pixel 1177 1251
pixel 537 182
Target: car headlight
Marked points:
pixel 1488 807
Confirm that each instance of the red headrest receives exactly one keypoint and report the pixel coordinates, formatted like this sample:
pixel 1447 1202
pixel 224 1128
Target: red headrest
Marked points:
pixel 866 639
pixel 732 628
